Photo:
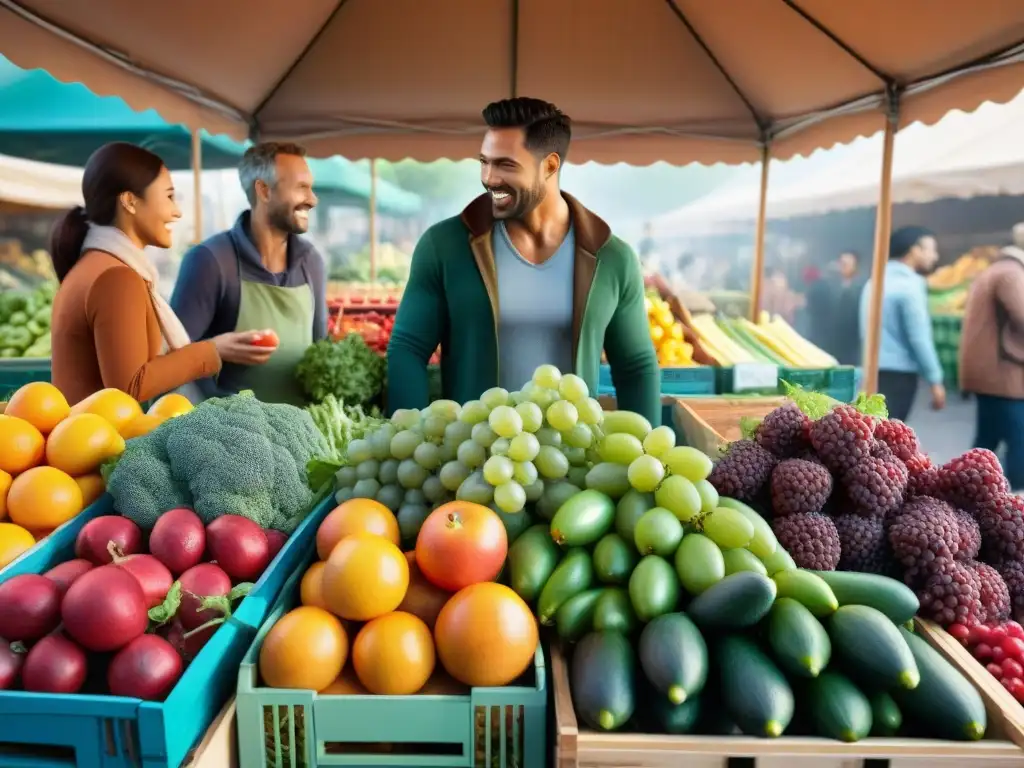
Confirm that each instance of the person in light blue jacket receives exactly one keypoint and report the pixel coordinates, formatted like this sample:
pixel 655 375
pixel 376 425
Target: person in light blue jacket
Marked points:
pixel 907 350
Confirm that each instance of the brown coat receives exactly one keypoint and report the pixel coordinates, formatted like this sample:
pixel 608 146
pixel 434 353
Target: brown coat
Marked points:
pixel 106 334
pixel 992 342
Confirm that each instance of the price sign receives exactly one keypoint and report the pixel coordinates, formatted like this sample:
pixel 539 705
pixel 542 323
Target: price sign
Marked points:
pixel 754 376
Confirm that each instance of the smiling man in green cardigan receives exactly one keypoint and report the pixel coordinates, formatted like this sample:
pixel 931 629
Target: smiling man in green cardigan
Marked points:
pixel 524 276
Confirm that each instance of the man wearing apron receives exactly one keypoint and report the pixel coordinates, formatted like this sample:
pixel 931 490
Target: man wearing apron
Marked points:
pixel 260 275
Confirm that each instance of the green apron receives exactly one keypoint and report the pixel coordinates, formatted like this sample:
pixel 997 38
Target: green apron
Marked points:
pixel 289 312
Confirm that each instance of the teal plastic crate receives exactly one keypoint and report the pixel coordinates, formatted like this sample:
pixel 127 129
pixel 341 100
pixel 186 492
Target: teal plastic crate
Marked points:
pixel 725 383
pixel 677 382
pixel 15 372
pixel 484 728
pixel 842 383
pixel 99 731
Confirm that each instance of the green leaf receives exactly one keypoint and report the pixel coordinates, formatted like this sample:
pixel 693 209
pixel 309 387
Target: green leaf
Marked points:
pixel 749 425
pixel 872 405
pixel 813 404
pixel 321 471
pixel 163 613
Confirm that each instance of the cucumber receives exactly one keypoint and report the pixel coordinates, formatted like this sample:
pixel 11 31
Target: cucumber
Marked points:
pixel 740 600
pixel 872 648
pixel 609 479
pixel 737 560
pixel 699 563
pixel 576 616
pixel 676 719
pixel 674 656
pixel 614 612
pixel 614 559
pixel 603 677
pixel 886 718
pixel 891 597
pixel 573 575
pixel 779 560
pixel 516 523
pixel 808 589
pixel 653 588
pixel 754 691
pixel 631 507
pixel 764 543
pixel 798 641
pixel 945 703
pixel 554 496
pixel 839 710
pixel 583 519
pixel 531 561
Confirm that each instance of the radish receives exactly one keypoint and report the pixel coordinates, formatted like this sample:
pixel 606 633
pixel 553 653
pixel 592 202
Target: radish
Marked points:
pixel 178 540
pixel 29 607
pixel 105 609
pixel 277 540
pixel 239 546
pixel 54 665
pixel 152 575
pixel 147 668
pixel 203 580
pixel 10 665
pixel 92 540
pixel 188 643
pixel 64 574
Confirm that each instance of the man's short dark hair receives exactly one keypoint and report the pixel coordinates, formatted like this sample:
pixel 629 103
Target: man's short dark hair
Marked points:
pixel 258 164
pixel 546 127
pixel 904 239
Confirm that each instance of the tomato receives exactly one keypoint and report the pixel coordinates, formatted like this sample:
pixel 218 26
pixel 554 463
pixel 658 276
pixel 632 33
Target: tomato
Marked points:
pixel 268 340
pixel 422 599
pixel 393 655
pixel 460 544
pixel 486 635
pixel 355 516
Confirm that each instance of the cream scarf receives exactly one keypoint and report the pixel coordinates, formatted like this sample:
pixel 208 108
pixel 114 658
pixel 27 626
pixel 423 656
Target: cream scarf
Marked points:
pixel 115 242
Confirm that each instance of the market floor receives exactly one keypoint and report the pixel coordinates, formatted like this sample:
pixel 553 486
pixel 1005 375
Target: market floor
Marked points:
pixel 944 434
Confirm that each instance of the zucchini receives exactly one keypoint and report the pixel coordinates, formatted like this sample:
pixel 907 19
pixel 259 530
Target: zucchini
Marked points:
pixel 872 648
pixel 754 691
pixel 573 575
pixel 575 617
pixel 839 710
pixel 739 600
pixel 886 718
pixel 674 656
pixel 798 641
pixel 603 678
pixel 893 598
pixel 808 589
pixel 945 704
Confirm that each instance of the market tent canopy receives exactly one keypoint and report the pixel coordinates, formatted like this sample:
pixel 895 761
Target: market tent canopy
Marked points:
pixel 338 181
pixel 964 155
pixel 63 123
pixel 39 185
pixel 644 80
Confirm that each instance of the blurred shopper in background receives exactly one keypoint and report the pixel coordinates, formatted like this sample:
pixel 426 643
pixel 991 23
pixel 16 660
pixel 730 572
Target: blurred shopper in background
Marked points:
pixel 777 298
pixel 992 356
pixel 844 338
pixel 907 350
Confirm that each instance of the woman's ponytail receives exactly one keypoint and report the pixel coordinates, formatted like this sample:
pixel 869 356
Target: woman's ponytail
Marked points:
pixel 66 240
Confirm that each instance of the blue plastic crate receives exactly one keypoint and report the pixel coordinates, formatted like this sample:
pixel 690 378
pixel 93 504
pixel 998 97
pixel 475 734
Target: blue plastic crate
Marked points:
pixel 677 382
pixel 97 731
pixel 479 727
pixel 842 383
pixel 15 372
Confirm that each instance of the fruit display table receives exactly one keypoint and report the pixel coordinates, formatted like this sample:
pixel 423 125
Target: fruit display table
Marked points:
pixel 708 424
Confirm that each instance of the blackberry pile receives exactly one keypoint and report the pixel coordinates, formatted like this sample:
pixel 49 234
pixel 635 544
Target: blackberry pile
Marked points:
pixel 853 491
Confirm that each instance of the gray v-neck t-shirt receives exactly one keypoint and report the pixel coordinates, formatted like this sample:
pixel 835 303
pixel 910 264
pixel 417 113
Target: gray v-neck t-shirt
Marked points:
pixel 535 309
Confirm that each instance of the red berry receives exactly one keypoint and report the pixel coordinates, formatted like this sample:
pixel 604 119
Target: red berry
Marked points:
pixel 1012 668
pixel 995 670
pixel 1017 689
pixel 1014 648
pixel 959 631
pixel 977 634
pixel 1013 629
pixel 996 635
pixel 998 654
pixel 983 651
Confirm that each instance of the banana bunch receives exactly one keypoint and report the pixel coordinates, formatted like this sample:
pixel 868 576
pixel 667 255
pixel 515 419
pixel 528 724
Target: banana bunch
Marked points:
pixel 668 334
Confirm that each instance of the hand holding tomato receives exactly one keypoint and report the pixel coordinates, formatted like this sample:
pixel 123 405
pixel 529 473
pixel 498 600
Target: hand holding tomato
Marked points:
pixel 267 339
pixel 242 349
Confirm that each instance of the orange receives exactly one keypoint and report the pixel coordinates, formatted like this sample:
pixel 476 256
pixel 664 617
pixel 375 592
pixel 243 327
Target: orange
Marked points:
pixel 365 577
pixel 21 445
pixel 393 655
pixel 141 425
pixel 14 542
pixel 355 516
pixel 113 405
pixel 169 406
pixel 347 684
pixel 5 486
pixel 486 635
pixel 40 404
pixel 92 488
pixel 310 590
pixel 80 443
pixel 422 599
pixel 305 649
pixel 43 497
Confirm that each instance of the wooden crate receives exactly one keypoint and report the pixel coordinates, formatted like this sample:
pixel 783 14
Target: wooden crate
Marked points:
pixel 219 747
pixel 578 747
pixel 709 423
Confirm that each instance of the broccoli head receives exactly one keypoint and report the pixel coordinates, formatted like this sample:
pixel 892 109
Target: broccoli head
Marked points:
pixel 143 487
pixel 295 430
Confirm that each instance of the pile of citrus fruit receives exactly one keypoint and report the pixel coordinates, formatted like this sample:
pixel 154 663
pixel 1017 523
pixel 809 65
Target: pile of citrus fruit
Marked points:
pixel 50 455
pixel 402 618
